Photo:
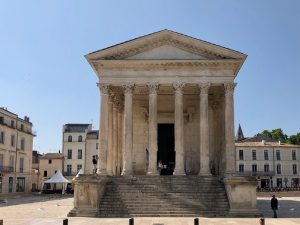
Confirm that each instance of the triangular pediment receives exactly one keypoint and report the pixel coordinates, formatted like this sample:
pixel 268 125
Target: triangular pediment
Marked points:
pixel 165 44
pixel 166 52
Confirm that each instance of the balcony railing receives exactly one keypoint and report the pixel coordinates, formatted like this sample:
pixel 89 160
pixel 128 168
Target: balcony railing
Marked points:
pixel 6 169
pixel 257 174
pixel 70 173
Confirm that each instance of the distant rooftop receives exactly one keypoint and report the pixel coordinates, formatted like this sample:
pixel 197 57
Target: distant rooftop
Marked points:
pixel 77 127
pixel 53 156
pixel 93 134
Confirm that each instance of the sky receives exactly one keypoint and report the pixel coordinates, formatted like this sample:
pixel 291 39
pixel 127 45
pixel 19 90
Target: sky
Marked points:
pixel 44 75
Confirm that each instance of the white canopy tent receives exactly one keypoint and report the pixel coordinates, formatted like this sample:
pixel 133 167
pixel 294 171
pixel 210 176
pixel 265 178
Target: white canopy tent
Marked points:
pixel 58 178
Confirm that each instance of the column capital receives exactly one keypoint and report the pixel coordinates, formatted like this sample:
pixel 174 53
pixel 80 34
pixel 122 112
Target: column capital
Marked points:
pixel 128 88
pixel 204 87
pixel 153 87
pixel 104 88
pixel 229 87
pixel 178 86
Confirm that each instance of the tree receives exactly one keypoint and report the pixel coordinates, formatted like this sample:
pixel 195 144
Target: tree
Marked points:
pixel 276 134
pixel 294 139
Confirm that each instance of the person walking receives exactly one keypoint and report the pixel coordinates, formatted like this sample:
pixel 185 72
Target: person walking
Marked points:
pixel 274 206
pixel 95 161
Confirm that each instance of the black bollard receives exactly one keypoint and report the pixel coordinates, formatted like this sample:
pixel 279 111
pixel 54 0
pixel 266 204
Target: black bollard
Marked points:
pixel 196 221
pixel 131 221
pixel 262 221
pixel 65 222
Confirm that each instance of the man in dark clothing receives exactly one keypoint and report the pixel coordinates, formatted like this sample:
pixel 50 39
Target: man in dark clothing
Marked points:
pixel 95 161
pixel 274 206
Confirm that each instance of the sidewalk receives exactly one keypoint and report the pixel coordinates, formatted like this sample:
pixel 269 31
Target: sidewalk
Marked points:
pixel 51 210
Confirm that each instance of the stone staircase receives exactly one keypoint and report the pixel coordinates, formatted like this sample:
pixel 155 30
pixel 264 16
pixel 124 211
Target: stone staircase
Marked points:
pixel 164 196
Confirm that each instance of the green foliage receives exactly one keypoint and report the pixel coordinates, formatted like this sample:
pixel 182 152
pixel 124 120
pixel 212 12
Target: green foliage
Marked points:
pixel 276 134
pixel 294 139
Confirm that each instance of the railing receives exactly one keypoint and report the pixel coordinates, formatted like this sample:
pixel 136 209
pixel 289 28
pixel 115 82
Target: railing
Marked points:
pixel 257 174
pixel 7 169
pixel 69 173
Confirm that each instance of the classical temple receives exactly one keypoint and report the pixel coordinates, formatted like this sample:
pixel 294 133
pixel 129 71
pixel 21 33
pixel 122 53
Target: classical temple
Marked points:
pixel 169 98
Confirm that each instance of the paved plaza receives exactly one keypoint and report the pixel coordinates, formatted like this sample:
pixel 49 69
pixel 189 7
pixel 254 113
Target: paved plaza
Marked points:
pixel 52 209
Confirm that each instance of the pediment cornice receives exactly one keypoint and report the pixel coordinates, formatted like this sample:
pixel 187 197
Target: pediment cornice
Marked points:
pixel 121 65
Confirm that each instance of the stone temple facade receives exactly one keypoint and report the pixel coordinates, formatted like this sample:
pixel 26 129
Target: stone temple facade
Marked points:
pixel 169 97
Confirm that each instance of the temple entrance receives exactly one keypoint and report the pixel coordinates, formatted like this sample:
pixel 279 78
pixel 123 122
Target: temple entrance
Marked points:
pixel 166 148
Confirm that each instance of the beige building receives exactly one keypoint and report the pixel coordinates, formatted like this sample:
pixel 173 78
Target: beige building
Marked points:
pixel 16 140
pixel 74 147
pixel 274 164
pixel 167 97
pixel 48 165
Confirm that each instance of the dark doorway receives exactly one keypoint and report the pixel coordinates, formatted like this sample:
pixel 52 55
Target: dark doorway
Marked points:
pixel 166 148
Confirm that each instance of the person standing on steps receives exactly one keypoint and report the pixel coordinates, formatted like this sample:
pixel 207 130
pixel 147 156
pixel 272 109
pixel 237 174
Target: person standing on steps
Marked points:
pixel 95 161
pixel 274 206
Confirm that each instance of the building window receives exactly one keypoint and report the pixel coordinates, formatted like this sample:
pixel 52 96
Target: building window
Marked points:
pixel 241 168
pixel 1 119
pixel 278 155
pixel 266 168
pixel 70 138
pixel 241 154
pixel 69 153
pixel 12 140
pixel 294 155
pixel 96 145
pixel 69 169
pixel 0 184
pixel 1 160
pixel 79 156
pixel 20 187
pixel 50 161
pixel 279 182
pixel 10 184
pixel 2 137
pixel 12 163
pixel 45 173
pixel 266 155
pixel 79 138
pixel 253 154
pixel 254 168
pixel 12 124
pixel 22 143
pixel 22 127
pixel 79 166
pixel 294 168
pixel 278 169
pixel 21 165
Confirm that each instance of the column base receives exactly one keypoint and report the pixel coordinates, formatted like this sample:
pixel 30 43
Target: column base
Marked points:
pixel 207 174
pixel 126 173
pixel 152 173
pixel 101 173
pixel 179 173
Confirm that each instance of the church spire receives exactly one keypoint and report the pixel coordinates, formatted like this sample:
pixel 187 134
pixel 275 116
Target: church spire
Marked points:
pixel 239 134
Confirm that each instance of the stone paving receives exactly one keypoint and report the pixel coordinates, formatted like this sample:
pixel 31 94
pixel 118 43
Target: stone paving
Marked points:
pixel 52 209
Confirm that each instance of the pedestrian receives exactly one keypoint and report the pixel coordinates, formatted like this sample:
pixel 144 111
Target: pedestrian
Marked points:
pixel 159 166
pixel 274 206
pixel 95 161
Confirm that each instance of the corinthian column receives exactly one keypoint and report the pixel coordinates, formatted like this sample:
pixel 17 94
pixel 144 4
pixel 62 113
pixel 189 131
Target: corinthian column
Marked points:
pixel 115 135
pixel 128 142
pixel 110 136
pixel 103 137
pixel 152 129
pixel 204 132
pixel 229 128
pixel 179 150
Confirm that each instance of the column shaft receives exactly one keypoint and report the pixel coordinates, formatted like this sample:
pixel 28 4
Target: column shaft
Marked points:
pixel 204 130
pixel 115 139
pixel 110 137
pixel 120 129
pixel 179 148
pixel 229 128
pixel 127 163
pixel 152 170
pixel 103 137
